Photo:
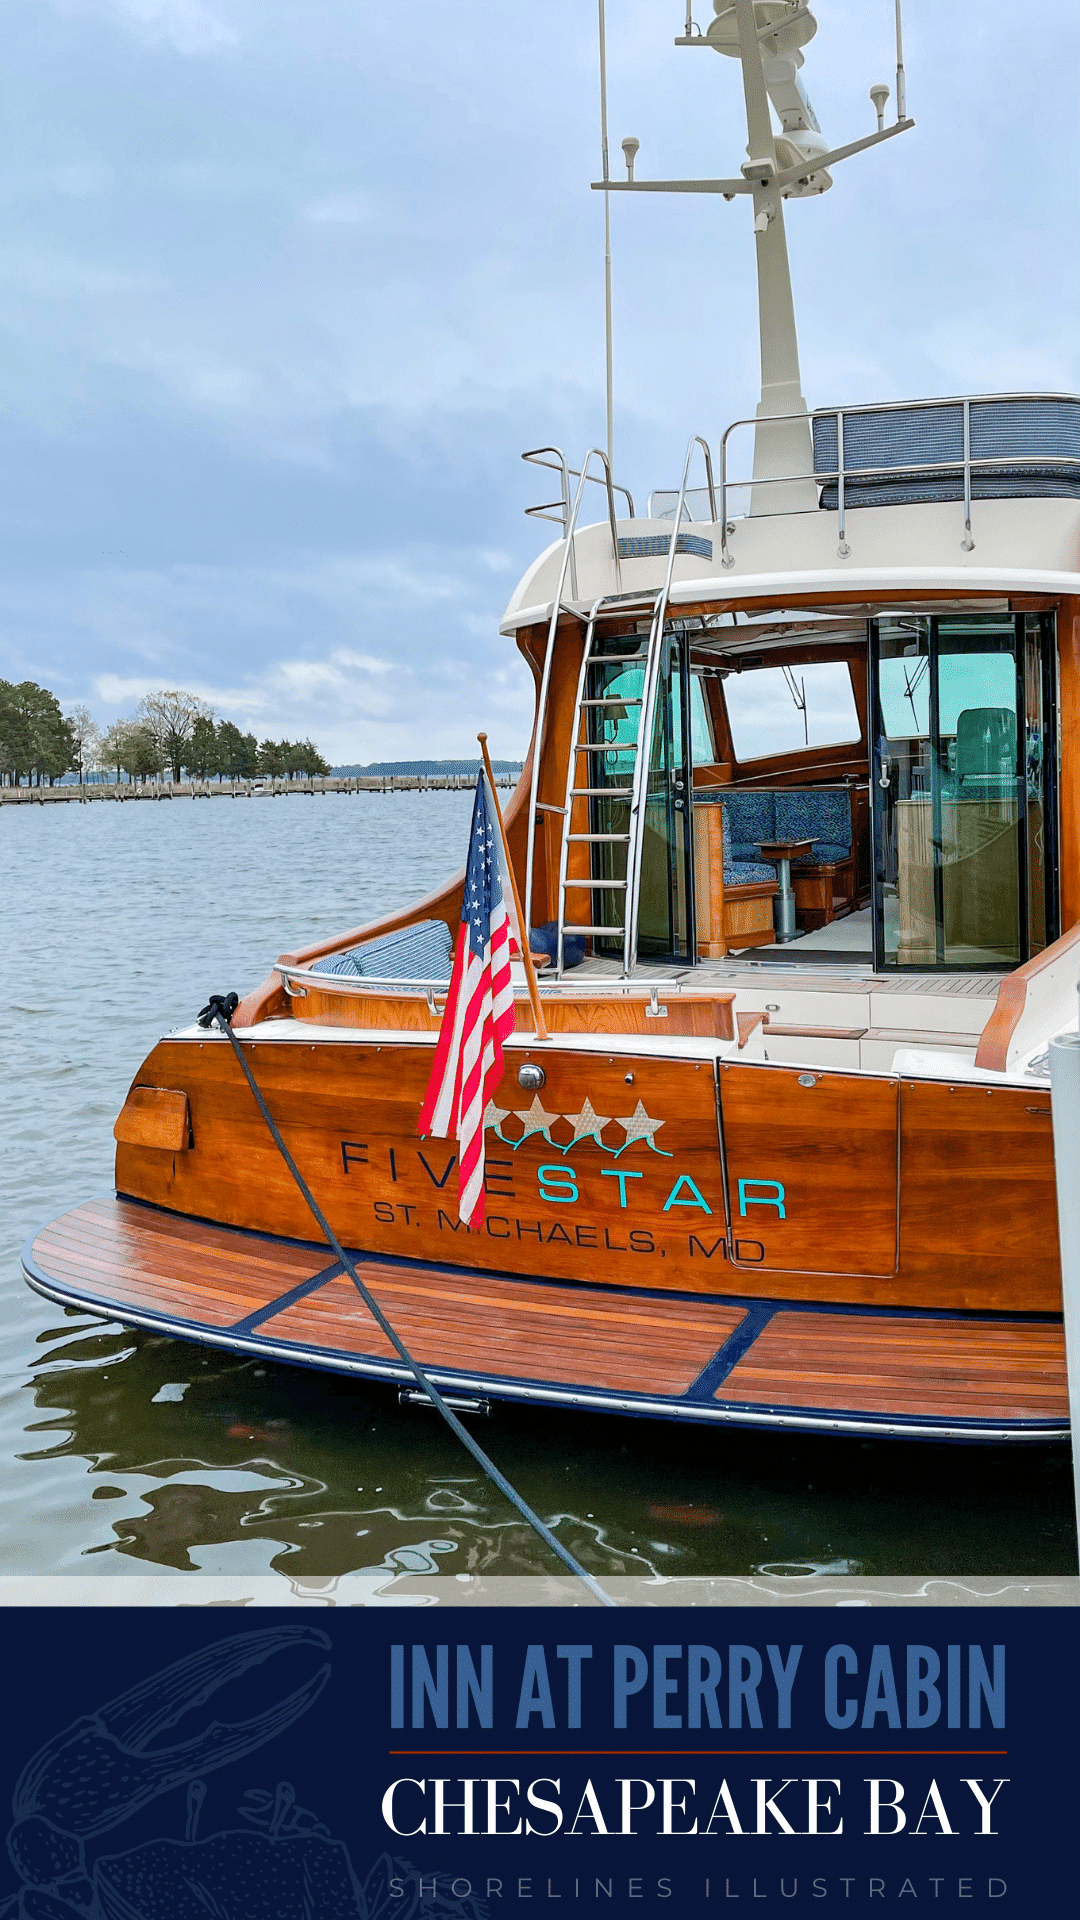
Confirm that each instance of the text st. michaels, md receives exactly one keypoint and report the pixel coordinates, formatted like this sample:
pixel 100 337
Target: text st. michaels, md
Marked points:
pixel 576 1758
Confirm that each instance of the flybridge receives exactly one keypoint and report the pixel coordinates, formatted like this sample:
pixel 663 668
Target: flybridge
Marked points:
pixel 963 458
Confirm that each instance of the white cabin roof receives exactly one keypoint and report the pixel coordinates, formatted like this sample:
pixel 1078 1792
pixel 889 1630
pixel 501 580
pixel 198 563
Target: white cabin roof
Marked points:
pixel 1021 546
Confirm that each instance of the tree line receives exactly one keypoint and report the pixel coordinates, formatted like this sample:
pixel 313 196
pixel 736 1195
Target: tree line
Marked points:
pixel 170 732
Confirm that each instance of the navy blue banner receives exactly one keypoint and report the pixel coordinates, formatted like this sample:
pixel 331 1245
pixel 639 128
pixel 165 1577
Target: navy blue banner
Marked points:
pixel 386 1764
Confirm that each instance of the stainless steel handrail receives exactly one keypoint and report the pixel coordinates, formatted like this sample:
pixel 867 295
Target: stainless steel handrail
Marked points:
pixel 559 465
pixel 368 983
pixel 571 776
pixel 843 473
pixel 556 609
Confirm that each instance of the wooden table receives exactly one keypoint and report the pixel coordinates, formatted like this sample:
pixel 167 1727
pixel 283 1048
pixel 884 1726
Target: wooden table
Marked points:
pixel 783 852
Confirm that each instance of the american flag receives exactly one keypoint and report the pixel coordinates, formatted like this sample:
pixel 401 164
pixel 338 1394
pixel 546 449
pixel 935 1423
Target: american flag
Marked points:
pixel 479 1013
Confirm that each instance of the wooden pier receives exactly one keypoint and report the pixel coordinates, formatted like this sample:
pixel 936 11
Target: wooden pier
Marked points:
pixel 246 789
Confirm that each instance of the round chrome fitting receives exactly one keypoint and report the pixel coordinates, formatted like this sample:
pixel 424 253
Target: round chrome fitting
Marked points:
pixel 531 1077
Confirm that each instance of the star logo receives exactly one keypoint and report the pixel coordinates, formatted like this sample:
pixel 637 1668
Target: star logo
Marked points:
pixel 638 1126
pixel 493 1119
pixel 587 1125
pixel 536 1120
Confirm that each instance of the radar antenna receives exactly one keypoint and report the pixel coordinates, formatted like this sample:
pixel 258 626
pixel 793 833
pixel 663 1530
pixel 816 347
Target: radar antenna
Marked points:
pixel 767 37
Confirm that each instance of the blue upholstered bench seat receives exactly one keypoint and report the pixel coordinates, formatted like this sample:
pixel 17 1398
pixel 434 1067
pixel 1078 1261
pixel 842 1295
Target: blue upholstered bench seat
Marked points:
pixel 423 951
pixel 1042 429
pixel 820 814
pixel 754 814
pixel 740 873
pixel 821 854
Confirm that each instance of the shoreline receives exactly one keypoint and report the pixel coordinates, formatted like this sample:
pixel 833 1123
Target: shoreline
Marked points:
pixel 247 789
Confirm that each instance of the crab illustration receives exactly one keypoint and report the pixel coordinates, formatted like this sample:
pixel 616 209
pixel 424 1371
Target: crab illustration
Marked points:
pixel 100 1770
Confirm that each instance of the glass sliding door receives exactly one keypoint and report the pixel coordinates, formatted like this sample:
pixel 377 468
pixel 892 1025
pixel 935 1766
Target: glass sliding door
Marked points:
pixel 1040 775
pixel 905 908
pixel 983 833
pixel 963 790
pixel 666 906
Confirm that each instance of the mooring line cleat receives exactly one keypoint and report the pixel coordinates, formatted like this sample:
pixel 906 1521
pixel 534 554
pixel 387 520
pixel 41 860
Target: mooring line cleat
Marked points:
pixel 219 1004
pixel 98 1771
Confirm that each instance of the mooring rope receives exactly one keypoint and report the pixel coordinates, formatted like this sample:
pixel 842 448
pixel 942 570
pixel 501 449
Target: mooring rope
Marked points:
pixel 218 1012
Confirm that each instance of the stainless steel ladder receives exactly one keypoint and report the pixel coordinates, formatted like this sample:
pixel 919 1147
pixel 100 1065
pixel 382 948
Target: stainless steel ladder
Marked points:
pixel 586 748
pixel 567 515
pixel 612 607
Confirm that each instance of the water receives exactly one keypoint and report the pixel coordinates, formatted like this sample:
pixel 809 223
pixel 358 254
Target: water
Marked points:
pixel 122 1452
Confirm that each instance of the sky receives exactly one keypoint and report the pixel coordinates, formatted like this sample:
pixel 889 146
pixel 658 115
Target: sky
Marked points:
pixel 287 286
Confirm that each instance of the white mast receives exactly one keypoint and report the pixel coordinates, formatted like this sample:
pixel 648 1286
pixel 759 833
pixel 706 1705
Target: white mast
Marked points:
pixel 767 37
pixel 785 447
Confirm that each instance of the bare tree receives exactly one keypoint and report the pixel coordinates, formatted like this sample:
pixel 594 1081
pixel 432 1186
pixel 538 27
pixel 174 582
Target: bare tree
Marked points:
pixel 171 717
pixel 85 741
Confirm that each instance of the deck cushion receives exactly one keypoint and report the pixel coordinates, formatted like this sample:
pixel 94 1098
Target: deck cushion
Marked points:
pixel 822 853
pixel 821 814
pixel 423 951
pixel 545 939
pixel 749 818
pixel 1041 430
pixel 740 873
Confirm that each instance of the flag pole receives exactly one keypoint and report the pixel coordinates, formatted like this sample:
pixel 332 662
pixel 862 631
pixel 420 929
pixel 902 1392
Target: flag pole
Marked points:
pixel 526 955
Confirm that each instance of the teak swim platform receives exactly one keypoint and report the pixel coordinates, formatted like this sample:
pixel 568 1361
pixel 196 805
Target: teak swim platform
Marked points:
pixel 798 846
pixel 630 1350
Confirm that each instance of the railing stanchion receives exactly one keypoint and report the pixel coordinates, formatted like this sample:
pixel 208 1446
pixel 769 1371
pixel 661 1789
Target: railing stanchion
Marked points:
pixel 843 549
pixel 967 543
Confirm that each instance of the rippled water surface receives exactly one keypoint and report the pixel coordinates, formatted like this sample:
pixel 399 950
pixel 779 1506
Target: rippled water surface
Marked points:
pixel 124 1452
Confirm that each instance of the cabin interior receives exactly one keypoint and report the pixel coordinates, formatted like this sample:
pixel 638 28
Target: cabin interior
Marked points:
pixel 848 784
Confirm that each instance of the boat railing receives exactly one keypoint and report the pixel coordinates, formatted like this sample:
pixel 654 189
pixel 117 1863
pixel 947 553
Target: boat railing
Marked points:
pixel 567 565
pixel 959 464
pixel 298 981
pixel 561 510
pixel 662 503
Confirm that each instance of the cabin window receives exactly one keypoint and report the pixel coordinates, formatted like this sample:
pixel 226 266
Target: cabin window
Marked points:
pixel 778 710
pixel 702 750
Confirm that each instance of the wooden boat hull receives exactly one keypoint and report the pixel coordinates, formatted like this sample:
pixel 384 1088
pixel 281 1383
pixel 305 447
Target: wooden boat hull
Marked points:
pixel 725 1360
pixel 677 1173
pixel 669 1232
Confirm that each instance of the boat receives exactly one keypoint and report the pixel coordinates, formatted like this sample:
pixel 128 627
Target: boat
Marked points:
pixel 797 839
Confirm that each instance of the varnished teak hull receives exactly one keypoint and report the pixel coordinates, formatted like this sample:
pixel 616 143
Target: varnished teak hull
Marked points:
pixel 839 1186
pixel 819 1287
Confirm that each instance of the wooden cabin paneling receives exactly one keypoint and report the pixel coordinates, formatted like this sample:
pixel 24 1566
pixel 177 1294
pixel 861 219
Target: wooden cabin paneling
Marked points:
pixel 706 1015
pixel 812 1164
pixel 977 1194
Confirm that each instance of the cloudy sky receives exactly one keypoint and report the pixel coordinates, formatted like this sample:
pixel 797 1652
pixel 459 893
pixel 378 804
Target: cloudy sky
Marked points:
pixel 286 286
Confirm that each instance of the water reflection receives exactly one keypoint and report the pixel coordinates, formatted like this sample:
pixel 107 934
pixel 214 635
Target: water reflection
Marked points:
pixel 254 1467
